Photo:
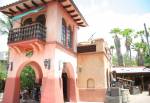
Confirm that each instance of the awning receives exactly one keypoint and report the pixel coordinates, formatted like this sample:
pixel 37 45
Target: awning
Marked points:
pixel 128 70
pixel 27 13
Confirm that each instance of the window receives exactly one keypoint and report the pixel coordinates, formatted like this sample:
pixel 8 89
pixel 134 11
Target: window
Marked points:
pixel 63 35
pixel 69 37
pixel 90 83
pixel 41 19
pixel 27 21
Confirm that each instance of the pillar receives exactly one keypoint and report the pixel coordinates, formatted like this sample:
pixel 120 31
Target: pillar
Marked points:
pixel 51 91
pixel 73 90
pixel 12 90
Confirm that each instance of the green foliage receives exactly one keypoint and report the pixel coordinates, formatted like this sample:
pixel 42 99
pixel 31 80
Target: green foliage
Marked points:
pixel 3 70
pixel 147 60
pixel 27 77
pixel 126 32
pixel 3 74
pixel 115 31
pixel 129 61
pixel 114 60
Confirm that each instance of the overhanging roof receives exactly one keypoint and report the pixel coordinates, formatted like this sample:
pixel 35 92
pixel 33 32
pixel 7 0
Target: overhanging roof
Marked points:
pixel 129 70
pixel 20 6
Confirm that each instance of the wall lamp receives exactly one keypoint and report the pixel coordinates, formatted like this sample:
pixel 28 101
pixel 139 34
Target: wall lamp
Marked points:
pixel 10 65
pixel 47 63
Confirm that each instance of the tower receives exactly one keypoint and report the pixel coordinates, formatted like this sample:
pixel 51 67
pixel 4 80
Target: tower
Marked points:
pixel 44 36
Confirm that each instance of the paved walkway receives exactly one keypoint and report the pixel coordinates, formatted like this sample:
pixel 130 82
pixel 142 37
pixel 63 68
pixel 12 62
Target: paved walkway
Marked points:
pixel 140 98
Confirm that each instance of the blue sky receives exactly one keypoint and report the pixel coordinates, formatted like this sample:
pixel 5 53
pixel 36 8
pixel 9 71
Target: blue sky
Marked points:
pixel 103 15
pixel 131 6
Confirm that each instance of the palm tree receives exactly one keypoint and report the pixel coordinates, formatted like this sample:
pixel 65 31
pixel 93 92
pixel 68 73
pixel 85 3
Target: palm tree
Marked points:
pixel 141 34
pixel 128 39
pixel 117 31
pixel 141 48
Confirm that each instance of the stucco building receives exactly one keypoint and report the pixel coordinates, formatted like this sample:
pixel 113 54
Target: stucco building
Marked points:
pixel 94 64
pixel 44 36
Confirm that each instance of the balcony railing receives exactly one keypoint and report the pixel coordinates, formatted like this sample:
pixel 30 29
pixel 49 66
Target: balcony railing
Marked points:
pixel 29 32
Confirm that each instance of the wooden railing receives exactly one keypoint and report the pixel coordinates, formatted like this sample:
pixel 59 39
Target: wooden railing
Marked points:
pixel 29 32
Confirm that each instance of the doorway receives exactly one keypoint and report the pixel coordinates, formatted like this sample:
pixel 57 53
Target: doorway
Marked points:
pixel 65 86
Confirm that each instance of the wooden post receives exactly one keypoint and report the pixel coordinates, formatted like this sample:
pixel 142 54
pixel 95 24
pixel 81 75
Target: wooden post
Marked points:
pixel 142 82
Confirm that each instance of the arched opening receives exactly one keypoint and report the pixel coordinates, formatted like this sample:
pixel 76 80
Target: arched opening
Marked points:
pixel 29 86
pixel 13 85
pixel 70 93
pixel 90 83
pixel 28 21
pixel 65 87
pixel 41 19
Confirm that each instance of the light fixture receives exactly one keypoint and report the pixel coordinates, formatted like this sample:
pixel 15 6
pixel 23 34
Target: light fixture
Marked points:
pixel 47 63
pixel 10 65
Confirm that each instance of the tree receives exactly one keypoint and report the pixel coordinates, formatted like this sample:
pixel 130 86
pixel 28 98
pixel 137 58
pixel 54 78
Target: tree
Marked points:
pixel 27 78
pixel 128 39
pixel 3 74
pixel 141 48
pixel 117 31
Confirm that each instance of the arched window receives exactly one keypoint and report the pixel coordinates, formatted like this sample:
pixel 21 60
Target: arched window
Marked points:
pixel 63 34
pixel 41 19
pixel 27 21
pixel 90 83
pixel 69 37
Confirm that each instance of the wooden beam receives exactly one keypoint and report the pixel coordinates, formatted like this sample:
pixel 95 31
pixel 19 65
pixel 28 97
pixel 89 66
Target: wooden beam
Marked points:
pixel 76 15
pixel 71 11
pixel 80 23
pixel 6 12
pixel 62 0
pixel 67 6
pixel 11 10
pixel 26 6
pixel 34 3
pixel 43 1
pixel 77 19
pixel 20 9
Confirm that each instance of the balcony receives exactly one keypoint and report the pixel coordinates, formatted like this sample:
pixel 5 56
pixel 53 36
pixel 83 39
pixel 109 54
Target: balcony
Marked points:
pixel 27 37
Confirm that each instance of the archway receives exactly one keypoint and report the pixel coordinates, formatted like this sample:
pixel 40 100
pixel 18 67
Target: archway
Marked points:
pixel 27 21
pixel 70 92
pixel 12 95
pixel 41 19
pixel 29 87
pixel 90 83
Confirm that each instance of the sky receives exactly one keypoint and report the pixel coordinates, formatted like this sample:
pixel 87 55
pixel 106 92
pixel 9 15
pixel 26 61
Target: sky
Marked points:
pixel 104 15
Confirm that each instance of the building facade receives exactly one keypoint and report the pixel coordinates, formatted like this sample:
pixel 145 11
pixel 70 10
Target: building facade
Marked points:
pixel 94 64
pixel 44 36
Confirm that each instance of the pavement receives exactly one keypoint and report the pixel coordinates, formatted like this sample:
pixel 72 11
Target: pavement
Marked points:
pixel 140 98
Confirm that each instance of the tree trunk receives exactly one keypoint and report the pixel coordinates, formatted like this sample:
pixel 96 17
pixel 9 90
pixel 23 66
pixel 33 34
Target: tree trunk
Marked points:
pixel 140 58
pixel 118 51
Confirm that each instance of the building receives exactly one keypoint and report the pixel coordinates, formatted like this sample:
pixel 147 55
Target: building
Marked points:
pixel 139 75
pixel 44 36
pixel 3 56
pixel 94 65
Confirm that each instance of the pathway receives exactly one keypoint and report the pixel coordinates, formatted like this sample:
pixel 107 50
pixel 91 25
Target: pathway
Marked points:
pixel 140 98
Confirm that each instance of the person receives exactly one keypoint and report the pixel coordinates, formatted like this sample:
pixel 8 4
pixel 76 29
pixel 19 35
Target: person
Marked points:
pixel 113 82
